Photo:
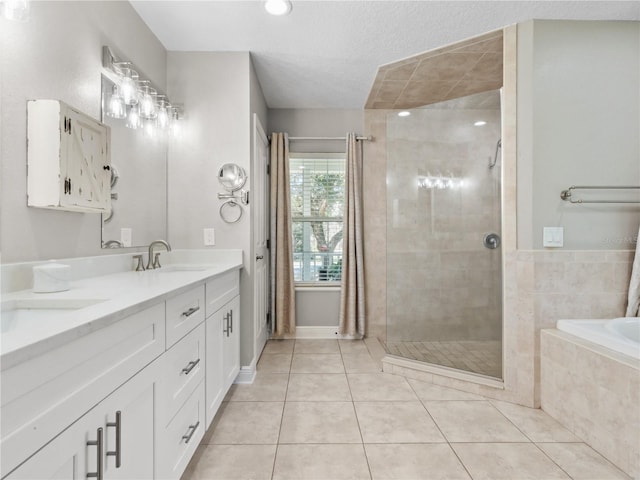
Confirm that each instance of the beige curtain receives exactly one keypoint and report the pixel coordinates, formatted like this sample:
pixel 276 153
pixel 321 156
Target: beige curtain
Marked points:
pixel 283 298
pixel 633 302
pixel 352 287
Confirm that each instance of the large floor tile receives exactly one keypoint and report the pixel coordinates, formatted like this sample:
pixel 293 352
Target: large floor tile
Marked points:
pixel 352 346
pixel 321 462
pixel 316 346
pixel 245 423
pixel 229 462
pixel 430 391
pixel 473 421
pixel 535 423
pixel 274 363
pixel 360 363
pixel 396 422
pixel 317 363
pixel 507 461
pixel 319 422
pixel 414 462
pixel 266 387
pixel 318 387
pixel 581 462
pixel 279 346
pixel 367 387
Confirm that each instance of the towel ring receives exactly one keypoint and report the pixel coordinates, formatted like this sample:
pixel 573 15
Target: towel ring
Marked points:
pixel 231 212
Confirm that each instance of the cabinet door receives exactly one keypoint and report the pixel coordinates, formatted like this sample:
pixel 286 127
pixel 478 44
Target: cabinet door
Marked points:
pixel 231 342
pixel 120 448
pixel 213 355
pixel 87 168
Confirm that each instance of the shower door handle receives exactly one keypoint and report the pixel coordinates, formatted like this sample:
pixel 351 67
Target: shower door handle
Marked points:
pixel 491 241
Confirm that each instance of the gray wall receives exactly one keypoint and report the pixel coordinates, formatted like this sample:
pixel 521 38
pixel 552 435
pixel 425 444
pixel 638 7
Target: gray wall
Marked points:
pixel 578 124
pixel 320 307
pixel 57 54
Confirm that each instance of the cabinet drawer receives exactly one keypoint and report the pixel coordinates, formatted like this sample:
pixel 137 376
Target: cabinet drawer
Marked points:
pixel 183 369
pixel 177 442
pixel 222 289
pixel 44 395
pixel 184 313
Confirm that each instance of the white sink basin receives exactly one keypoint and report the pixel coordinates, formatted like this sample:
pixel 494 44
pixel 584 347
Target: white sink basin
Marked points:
pixel 30 310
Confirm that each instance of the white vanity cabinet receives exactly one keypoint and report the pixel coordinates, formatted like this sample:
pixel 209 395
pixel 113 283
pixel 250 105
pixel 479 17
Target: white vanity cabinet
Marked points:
pixel 68 159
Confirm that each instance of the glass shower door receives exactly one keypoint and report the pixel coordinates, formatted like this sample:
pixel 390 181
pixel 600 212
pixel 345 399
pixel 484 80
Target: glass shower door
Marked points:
pixel 444 262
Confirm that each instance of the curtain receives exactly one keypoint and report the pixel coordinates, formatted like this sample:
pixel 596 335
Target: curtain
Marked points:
pixel 283 298
pixel 633 302
pixel 352 286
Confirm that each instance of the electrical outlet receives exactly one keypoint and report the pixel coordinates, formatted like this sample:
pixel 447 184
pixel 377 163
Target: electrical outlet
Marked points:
pixel 125 236
pixel 209 237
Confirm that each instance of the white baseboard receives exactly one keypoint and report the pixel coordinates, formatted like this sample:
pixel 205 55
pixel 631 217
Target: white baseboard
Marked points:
pixel 247 374
pixel 318 333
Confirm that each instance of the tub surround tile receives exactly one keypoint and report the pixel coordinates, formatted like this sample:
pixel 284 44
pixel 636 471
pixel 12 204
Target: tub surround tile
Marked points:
pixel 229 462
pixel 321 462
pixel 396 422
pixel 473 421
pixel 582 462
pixel 507 461
pixel 411 461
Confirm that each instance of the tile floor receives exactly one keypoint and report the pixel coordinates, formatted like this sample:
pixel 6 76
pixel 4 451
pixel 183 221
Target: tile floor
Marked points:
pixel 323 410
pixel 484 357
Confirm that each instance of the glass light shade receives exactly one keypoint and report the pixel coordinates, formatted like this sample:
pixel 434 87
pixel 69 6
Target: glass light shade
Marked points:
pixel 117 108
pixel 133 118
pixel 150 127
pixel 128 88
pixel 15 9
pixel 163 117
pixel 147 104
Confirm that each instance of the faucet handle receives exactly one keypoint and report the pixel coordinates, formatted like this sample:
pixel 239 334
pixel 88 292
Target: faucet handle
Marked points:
pixel 140 265
pixel 156 260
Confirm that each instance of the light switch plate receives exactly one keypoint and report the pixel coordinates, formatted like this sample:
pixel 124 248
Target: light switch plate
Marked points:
pixel 553 237
pixel 209 237
pixel 125 236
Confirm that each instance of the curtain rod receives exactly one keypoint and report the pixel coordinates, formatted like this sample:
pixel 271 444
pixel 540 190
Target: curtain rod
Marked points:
pixel 369 138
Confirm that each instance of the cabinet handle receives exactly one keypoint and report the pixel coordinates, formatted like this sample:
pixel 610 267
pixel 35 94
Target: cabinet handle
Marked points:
pixel 118 450
pixel 190 312
pixel 97 443
pixel 231 321
pixel 190 366
pixel 226 319
pixel 190 432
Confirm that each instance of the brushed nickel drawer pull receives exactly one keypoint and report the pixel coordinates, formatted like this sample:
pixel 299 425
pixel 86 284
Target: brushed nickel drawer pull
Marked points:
pixel 193 428
pixel 231 321
pixel 98 443
pixel 226 319
pixel 190 312
pixel 190 366
pixel 118 451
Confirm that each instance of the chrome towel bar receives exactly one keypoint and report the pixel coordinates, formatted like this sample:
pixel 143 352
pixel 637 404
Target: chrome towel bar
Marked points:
pixel 567 194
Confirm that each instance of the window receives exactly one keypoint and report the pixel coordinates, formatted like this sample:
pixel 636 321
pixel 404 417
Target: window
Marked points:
pixel 317 206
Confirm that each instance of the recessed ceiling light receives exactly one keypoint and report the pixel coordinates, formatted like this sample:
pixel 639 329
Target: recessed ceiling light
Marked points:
pixel 404 114
pixel 480 123
pixel 278 7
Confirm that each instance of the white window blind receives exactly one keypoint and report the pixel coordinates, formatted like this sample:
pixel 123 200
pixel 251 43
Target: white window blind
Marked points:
pixel 317 207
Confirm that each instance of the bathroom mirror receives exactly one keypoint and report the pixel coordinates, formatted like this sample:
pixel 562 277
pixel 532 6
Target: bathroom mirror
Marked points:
pixel 232 177
pixel 139 193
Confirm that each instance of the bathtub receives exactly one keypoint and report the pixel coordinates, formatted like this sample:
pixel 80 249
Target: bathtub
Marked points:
pixel 620 334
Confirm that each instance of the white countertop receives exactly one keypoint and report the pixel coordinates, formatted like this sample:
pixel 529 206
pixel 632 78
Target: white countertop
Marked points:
pixel 123 294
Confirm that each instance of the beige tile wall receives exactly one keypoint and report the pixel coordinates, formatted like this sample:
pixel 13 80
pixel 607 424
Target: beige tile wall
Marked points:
pixel 595 393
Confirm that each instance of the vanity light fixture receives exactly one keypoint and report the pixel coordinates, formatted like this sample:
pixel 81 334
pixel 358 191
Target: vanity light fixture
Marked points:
pixel 278 7
pixel 15 9
pixel 136 99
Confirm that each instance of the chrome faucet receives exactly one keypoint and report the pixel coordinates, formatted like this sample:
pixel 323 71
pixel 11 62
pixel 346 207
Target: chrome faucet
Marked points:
pixel 154 261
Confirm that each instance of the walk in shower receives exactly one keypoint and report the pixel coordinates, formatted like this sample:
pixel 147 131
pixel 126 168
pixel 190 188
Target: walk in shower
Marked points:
pixel 444 262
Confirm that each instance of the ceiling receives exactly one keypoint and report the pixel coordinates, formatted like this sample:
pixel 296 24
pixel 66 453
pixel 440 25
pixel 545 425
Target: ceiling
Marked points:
pixel 325 54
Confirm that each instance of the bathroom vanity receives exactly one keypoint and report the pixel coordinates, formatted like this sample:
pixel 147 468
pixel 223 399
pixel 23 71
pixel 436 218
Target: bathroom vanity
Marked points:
pixel 120 376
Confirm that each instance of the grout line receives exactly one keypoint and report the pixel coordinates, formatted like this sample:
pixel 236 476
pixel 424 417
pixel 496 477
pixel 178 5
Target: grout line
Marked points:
pixel 284 405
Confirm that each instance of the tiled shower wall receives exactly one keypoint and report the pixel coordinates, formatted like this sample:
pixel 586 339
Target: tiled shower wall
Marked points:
pixel 442 283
